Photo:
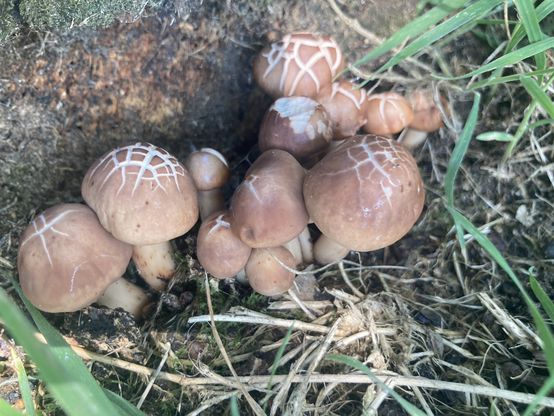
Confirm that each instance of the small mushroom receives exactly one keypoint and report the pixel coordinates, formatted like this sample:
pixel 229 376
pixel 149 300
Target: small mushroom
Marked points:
pixel 66 260
pixel 363 196
pixel 300 64
pixel 266 275
pixel 298 125
pixel 144 196
pixel 267 209
pixel 387 113
pixel 209 170
pixel 219 250
pixel 427 118
pixel 346 106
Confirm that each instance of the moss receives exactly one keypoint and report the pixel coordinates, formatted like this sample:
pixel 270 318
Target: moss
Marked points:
pixel 68 13
pixel 7 18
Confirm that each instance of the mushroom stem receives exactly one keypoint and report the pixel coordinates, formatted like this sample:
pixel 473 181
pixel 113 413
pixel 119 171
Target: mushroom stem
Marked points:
pixel 155 264
pixel 125 295
pixel 295 249
pixel 307 246
pixel 210 201
pixel 412 138
pixel 327 251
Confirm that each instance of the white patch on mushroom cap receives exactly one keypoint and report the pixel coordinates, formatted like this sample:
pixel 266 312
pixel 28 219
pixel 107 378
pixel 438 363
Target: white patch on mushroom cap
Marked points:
pixel 298 110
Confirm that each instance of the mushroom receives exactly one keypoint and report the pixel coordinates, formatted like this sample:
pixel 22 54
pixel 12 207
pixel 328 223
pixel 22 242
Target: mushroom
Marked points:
pixel 427 118
pixel 66 260
pixel 346 106
pixel 266 275
pixel 267 209
pixel 219 251
pixel 144 196
pixel 387 113
pixel 363 196
pixel 298 125
pixel 209 170
pixel 300 64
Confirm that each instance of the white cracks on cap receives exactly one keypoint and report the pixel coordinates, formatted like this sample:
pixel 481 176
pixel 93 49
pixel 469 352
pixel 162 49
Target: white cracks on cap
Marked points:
pixel 41 226
pixel 215 153
pixel 249 182
pixel 219 223
pixel 168 168
pixel 337 89
pixel 76 269
pixel 298 110
pixel 279 51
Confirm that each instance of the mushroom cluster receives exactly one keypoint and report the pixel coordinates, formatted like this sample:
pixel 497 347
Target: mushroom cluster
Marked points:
pixel 359 192
pixel 72 255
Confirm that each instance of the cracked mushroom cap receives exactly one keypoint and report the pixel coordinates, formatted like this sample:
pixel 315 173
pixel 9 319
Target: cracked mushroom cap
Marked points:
pixel 366 194
pixel 141 194
pixel 387 113
pixel 219 250
pixel 267 209
pixel 427 116
pixel 300 64
pixel 347 107
pixel 298 125
pixel 66 259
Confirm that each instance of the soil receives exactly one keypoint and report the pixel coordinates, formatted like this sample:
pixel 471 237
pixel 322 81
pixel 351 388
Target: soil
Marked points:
pixel 181 78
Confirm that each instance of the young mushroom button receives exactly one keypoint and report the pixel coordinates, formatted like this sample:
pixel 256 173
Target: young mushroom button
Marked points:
pixel 209 170
pixel 363 196
pixel 300 64
pixel 267 209
pixel 143 196
pixel 427 118
pixel 66 260
pixel 387 113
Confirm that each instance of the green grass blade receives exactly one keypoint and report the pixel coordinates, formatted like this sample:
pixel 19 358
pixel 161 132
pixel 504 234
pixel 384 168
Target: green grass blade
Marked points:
pixel 460 150
pixel 63 371
pixel 528 17
pixel 464 16
pixel 543 392
pixel 542 297
pixel 278 356
pixel 123 407
pixel 508 78
pixel 510 58
pixel 234 406
pixel 544 9
pixel 496 136
pixel 23 384
pixel 542 329
pixel 538 94
pixel 352 362
pixel 540 123
pixel 414 28
pixel 7 410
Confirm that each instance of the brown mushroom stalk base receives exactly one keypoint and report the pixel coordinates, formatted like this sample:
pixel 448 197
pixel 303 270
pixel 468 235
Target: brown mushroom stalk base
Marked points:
pixel 125 295
pixel 327 251
pixel 155 264
pixel 210 201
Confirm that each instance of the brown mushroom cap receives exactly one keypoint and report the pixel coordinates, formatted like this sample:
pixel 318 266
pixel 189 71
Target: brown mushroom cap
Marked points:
pixel 208 168
pixel 141 194
pixel 427 116
pixel 366 194
pixel 298 125
pixel 266 275
pixel 387 113
pixel 267 209
pixel 66 259
pixel 219 250
pixel 347 107
pixel 300 64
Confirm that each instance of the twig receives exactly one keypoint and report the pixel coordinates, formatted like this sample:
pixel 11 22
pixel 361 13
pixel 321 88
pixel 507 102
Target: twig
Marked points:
pixel 349 282
pixel 154 376
pixel 301 305
pixel 255 406
pixel 261 319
